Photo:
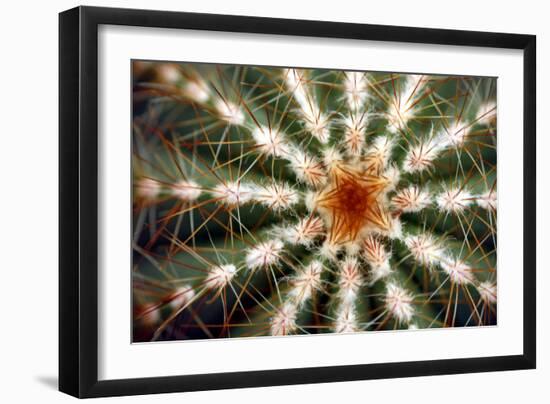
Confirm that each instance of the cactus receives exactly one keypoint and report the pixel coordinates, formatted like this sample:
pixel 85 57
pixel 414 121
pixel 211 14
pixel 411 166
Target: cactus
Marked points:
pixel 276 201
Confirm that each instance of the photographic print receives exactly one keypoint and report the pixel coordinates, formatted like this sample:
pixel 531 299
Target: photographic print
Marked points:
pixel 277 201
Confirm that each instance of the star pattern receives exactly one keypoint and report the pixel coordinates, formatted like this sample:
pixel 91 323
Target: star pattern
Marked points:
pixel 352 204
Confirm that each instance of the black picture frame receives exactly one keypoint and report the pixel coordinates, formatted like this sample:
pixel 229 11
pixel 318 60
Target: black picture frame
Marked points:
pixel 78 196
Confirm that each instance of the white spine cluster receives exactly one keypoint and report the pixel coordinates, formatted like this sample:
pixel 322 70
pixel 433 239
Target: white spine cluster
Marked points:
pixel 331 158
pixel 425 249
pixel 350 279
pixel 150 314
pixel 377 257
pixel 169 73
pixel 346 319
pixel 303 285
pixel 284 320
pixel 219 276
pixel 402 107
pixel 454 199
pixel 307 168
pixel 196 90
pixel 182 296
pixel 277 196
pixel 305 231
pixel 393 175
pixel 270 141
pixel 457 133
pixel 458 271
pixel 355 127
pixel 488 200
pixel 229 112
pixel 422 156
pixel 380 151
pixel 398 303
pixel 488 291
pixel 148 188
pixel 234 193
pixel 349 282
pixel 411 199
pixel 356 90
pixel 188 191
pixel 487 113
pixel 296 83
pixel 315 121
pixel 264 254
pixel 305 282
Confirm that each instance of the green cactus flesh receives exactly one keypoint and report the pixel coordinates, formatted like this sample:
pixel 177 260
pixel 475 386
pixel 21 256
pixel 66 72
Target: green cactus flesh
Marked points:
pixel 275 201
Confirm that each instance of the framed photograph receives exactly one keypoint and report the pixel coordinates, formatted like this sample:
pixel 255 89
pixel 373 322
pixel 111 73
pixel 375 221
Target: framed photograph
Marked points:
pixel 251 201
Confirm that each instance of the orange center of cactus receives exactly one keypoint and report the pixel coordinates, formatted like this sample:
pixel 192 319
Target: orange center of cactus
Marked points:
pixel 351 204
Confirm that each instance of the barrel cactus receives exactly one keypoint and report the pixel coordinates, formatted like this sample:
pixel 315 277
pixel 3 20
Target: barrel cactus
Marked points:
pixel 277 201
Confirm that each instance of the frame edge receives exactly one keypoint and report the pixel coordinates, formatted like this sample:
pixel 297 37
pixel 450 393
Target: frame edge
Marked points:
pixel 530 202
pixel 69 114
